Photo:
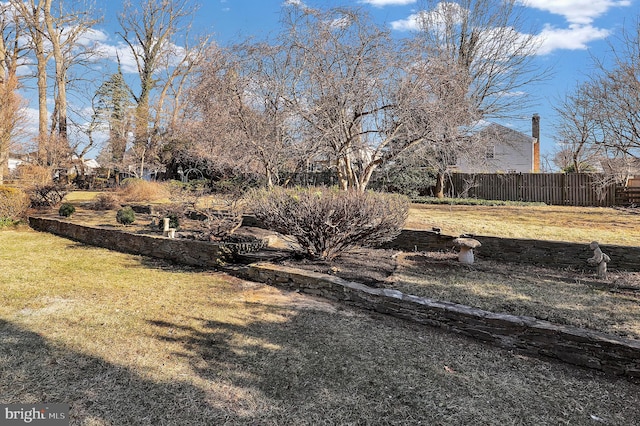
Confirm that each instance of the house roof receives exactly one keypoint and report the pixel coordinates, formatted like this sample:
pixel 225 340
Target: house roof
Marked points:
pixel 495 130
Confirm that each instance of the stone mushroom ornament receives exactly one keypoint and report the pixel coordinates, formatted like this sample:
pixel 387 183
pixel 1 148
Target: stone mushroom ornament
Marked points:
pixel 599 260
pixel 466 246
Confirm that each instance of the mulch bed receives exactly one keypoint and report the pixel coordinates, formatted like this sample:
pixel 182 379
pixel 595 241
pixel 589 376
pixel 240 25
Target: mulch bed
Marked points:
pixel 366 266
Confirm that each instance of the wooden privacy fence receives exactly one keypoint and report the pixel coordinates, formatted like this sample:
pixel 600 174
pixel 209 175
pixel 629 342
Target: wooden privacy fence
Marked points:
pixel 628 196
pixel 572 189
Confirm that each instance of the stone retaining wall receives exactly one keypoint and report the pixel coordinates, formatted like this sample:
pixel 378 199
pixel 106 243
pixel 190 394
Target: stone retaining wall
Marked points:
pixel 553 254
pixel 190 252
pixel 570 344
pixel 573 345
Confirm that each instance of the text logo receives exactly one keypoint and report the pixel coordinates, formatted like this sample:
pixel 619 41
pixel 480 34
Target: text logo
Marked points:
pixel 34 414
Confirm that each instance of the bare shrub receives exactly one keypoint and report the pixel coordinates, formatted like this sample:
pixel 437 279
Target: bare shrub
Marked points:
pixel 221 219
pixel 106 201
pixel 32 174
pixel 43 196
pixel 133 190
pixel 327 222
pixel 217 218
pixel 174 211
pixel 13 203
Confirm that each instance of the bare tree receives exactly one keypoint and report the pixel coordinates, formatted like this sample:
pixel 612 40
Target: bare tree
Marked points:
pixel 614 93
pixel 241 100
pixel 488 42
pixel 64 27
pixel 223 118
pixel 54 31
pixel 11 105
pixel 30 13
pixel 600 119
pixel 368 99
pixel 11 53
pixel 345 88
pixel 578 133
pixel 152 31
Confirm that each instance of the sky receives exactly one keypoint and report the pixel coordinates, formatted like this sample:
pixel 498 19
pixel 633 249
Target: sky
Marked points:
pixel 572 33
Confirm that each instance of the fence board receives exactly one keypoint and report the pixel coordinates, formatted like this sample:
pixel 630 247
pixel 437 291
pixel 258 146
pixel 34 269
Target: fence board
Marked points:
pixel 576 189
pixel 628 196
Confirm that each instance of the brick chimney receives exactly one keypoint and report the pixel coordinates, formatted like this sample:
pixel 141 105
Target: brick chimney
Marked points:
pixel 535 133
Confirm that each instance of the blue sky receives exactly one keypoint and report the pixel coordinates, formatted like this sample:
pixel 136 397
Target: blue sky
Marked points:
pixel 571 31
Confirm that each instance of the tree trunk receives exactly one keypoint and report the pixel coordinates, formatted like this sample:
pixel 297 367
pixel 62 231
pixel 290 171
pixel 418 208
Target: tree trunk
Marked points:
pixel 439 191
pixel 341 172
pixel 365 177
pixel 269 177
pixel 43 113
pixel 142 162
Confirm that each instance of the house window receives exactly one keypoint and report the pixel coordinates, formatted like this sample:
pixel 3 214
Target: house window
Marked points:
pixel 491 152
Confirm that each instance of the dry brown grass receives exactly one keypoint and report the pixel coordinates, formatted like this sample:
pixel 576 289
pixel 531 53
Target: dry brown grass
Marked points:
pixel 129 341
pixel 560 296
pixel 556 223
pixel 138 190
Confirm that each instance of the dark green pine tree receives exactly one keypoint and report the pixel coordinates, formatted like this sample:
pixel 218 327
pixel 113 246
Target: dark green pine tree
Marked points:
pixel 113 103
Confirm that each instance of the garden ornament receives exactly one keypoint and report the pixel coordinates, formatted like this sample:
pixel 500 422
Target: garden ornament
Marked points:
pixel 466 249
pixel 167 231
pixel 599 259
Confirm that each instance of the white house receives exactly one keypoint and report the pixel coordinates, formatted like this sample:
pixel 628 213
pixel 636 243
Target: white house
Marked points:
pixel 13 163
pixel 506 150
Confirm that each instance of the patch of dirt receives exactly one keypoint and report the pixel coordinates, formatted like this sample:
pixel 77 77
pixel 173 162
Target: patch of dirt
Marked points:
pixel 366 266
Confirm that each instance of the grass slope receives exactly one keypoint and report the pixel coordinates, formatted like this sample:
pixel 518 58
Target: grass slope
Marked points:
pixel 126 340
pixel 556 223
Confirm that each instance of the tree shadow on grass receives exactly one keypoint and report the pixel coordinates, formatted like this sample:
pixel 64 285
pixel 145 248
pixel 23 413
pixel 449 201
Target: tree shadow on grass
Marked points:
pixel 548 294
pixel 146 261
pixel 34 370
pixel 345 367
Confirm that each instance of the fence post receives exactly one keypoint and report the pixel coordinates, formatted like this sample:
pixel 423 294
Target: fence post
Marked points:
pixel 520 187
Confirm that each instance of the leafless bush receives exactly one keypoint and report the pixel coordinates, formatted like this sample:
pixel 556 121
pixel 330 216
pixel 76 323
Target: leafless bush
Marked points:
pixel 43 196
pixel 13 203
pixel 134 190
pixel 221 218
pixel 32 174
pixel 106 201
pixel 327 222
pixel 174 211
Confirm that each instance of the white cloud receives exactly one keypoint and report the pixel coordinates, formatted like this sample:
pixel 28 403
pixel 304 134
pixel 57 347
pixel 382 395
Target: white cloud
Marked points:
pixel 411 23
pixel 297 3
pixel 91 36
pixel 342 22
pixel 434 18
pixel 576 11
pixel 576 37
pixel 383 3
pixel 120 51
pixel 579 15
